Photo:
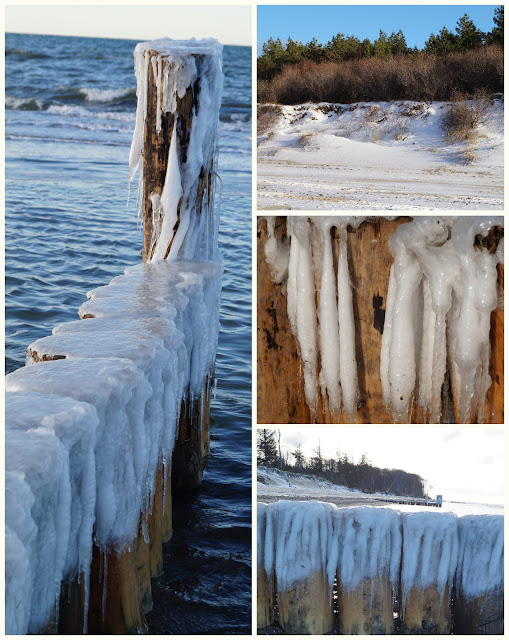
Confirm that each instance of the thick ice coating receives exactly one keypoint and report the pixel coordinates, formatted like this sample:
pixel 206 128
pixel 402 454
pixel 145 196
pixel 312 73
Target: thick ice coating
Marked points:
pixel 481 555
pixel 442 290
pixel 419 549
pixel 430 551
pixel 183 228
pixel 74 424
pixel 301 533
pixel 367 541
pixel 40 458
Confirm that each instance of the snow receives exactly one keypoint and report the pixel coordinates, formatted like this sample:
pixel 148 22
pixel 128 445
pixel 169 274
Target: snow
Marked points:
pixel 387 155
pixel 442 291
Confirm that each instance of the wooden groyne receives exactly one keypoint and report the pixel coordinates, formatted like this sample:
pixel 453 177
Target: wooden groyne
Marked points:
pixel 111 414
pixel 372 571
pixel 281 372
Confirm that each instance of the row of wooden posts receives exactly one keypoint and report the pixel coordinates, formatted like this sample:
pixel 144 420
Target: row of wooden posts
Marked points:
pixel 280 374
pixel 375 607
pixel 120 582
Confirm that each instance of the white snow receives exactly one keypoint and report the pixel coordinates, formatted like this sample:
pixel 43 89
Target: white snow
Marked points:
pixel 386 155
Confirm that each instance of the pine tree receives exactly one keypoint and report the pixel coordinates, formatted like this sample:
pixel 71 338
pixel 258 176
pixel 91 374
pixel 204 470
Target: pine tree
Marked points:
pixel 469 36
pixel 267 448
pixel 496 36
pixel 299 457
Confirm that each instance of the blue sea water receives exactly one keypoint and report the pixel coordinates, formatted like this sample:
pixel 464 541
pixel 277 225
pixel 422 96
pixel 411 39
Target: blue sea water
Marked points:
pixel 70 111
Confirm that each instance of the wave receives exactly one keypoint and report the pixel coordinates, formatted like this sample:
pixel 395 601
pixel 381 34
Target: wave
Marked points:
pixel 23 104
pixel 24 54
pixel 92 95
pixel 74 110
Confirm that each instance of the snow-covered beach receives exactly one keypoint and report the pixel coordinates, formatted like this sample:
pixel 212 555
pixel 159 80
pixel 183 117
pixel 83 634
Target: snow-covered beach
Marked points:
pixel 385 156
pixel 274 485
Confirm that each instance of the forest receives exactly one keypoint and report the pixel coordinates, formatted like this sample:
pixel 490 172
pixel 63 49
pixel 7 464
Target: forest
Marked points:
pixel 347 69
pixel 340 470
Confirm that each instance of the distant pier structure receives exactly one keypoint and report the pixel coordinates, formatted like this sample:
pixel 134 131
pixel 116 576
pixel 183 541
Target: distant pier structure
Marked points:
pixel 425 502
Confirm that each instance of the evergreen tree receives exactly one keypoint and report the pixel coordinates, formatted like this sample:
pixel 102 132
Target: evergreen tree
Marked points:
pixel 381 46
pixel 445 42
pixel 299 458
pixel 469 36
pixel 267 448
pixel 496 36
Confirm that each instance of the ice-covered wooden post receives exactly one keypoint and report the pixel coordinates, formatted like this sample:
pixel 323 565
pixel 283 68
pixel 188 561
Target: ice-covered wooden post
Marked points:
pixel 428 565
pixel 479 586
pixel 174 148
pixel 265 570
pixel 304 586
pixel 369 556
pixel 174 145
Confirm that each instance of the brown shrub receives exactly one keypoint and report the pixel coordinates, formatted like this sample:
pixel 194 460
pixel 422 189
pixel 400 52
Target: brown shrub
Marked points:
pixel 463 117
pixel 422 76
pixel 267 117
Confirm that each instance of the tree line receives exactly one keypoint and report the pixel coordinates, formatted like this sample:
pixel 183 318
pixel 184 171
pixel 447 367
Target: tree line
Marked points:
pixel 341 48
pixel 340 469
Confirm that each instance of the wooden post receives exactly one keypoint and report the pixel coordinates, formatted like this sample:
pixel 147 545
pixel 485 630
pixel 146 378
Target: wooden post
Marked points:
pixel 155 527
pixel 367 609
pixel 157 143
pixel 280 377
pixel 115 601
pixel 483 615
pixel 265 614
pixel 143 565
pixel 427 612
pixel 306 607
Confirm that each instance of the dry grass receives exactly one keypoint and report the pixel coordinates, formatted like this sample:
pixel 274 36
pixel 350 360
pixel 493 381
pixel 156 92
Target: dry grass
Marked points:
pixel 305 140
pixel 463 116
pixel 268 115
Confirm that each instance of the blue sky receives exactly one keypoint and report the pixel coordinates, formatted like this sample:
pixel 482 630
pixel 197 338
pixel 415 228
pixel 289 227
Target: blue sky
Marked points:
pixel 303 22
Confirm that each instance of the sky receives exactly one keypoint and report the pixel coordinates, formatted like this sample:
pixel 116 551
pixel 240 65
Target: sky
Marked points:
pixel 231 25
pixel 322 22
pixel 464 464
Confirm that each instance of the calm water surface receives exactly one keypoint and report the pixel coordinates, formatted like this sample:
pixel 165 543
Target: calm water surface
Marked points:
pixel 70 110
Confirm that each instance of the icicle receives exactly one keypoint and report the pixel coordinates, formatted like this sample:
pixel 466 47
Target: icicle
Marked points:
pixel 347 359
pixel 306 313
pixel 329 329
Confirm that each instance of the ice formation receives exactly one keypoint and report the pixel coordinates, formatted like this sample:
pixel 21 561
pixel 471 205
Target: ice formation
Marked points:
pixel 367 543
pixel 442 290
pixel 481 555
pixel 184 227
pixel 410 550
pixel 325 334
pixel 95 410
pixel 430 551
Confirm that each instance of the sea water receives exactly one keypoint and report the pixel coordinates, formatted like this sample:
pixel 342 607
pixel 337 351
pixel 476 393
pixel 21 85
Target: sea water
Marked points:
pixel 70 114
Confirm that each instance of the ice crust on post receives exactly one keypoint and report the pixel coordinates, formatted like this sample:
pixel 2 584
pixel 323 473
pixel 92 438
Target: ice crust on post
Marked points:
pixel 184 226
pixel 442 290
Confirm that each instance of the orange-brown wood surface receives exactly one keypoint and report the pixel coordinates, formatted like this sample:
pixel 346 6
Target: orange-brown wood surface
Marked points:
pixel 280 380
